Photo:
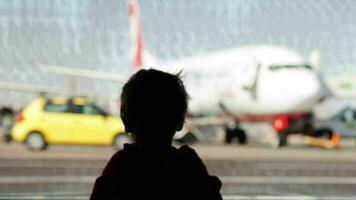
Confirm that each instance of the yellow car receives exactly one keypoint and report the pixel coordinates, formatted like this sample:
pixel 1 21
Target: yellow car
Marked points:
pixel 67 121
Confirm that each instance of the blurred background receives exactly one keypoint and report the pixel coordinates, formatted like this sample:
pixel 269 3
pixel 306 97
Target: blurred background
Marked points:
pixel 93 36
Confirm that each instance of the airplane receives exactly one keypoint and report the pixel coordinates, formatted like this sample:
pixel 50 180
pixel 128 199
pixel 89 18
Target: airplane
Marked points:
pixel 256 79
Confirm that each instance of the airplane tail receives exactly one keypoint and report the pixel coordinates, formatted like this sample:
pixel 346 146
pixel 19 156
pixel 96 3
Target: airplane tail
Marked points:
pixel 139 57
pixel 315 59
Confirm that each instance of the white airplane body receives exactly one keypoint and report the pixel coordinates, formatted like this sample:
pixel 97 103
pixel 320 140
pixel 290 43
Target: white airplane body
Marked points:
pixel 251 80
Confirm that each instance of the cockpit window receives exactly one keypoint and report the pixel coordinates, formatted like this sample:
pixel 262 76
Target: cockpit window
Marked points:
pixel 278 67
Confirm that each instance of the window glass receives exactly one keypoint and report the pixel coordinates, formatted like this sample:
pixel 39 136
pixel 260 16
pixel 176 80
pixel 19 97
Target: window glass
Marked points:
pixel 348 115
pixel 50 107
pixel 75 108
pixel 277 67
pixel 91 110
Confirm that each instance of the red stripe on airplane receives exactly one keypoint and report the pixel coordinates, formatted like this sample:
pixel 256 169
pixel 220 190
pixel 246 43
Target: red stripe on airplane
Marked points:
pixel 131 9
pixel 138 59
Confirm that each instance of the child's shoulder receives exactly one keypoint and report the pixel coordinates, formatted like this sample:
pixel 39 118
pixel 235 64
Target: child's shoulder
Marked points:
pixel 119 159
pixel 187 150
pixel 191 158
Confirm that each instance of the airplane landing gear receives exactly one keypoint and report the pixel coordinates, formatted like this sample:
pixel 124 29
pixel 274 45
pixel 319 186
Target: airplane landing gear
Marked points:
pixel 283 139
pixel 235 133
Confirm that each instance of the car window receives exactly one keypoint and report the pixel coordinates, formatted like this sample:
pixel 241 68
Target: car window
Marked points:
pixel 348 115
pixel 50 107
pixel 91 110
pixel 75 108
pixel 87 109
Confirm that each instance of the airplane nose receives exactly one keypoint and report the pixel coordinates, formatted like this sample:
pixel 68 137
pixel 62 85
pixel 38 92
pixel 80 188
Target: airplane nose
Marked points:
pixel 296 90
pixel 307 89
pixel 309 86
pixel 292 90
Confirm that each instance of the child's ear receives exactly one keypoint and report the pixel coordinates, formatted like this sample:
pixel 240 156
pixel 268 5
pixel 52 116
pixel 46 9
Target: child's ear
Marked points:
pixel 128 127
pixel 180 125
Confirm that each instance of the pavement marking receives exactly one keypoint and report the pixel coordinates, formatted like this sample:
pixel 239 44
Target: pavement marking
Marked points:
pixel 46 179
pixel 258 165
pixel 50 166
pixel 224 179
pixel 289 180
pixel 40 197
pixel 287 197
pixel 59 196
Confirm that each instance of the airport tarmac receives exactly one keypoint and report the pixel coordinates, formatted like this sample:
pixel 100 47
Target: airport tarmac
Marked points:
pixel 207 151
pixel 247 172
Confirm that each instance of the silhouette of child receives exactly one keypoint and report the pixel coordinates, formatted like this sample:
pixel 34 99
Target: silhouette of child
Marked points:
pixel 153 107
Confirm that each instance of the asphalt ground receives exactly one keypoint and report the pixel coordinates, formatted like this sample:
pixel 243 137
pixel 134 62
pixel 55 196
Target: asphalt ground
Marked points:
pixel 247 172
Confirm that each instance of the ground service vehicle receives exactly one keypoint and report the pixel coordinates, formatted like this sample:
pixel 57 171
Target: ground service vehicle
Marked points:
pixel 344 123
pixel 67 121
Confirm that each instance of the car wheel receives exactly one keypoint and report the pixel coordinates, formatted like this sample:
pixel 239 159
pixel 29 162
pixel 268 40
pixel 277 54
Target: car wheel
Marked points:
pixel 35 141
pixel 120 140
pixel 7 138
pixel 237 133
pixel 228 136
pixel 241 136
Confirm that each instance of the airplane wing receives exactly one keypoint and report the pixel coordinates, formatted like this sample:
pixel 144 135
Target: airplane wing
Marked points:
pixel 44 89
pixel 85 73
pixel 6 85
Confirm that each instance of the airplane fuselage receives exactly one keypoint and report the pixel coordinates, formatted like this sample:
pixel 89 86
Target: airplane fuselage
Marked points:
pixel 252 80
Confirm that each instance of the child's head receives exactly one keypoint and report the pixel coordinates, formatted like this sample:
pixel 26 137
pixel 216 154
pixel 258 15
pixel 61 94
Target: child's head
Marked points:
pixel 153 105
